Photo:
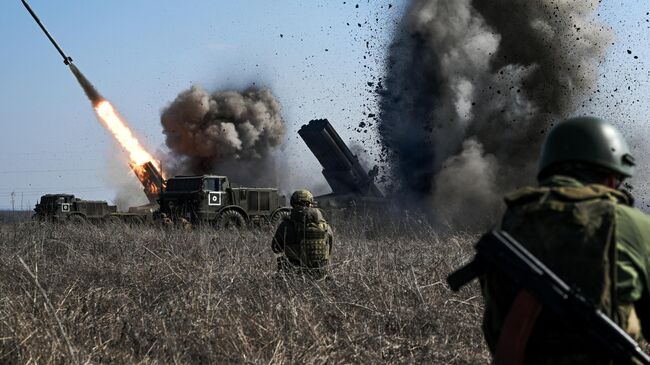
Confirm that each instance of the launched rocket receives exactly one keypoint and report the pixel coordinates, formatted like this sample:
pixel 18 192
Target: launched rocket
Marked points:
pixel 88 87
pixel 67 60
pixel 145 167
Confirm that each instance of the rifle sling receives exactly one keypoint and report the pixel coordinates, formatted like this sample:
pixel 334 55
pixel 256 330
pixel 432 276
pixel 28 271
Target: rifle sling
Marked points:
pixel 516 329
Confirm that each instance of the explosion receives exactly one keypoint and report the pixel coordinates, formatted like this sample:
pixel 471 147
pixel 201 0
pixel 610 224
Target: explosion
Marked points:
pixel 472 88
pixel 232 133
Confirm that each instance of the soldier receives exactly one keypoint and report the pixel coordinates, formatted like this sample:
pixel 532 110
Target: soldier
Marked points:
pixel 583 228
pixel 304 239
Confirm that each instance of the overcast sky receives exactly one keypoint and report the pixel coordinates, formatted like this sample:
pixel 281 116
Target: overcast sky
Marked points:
pixel 140 56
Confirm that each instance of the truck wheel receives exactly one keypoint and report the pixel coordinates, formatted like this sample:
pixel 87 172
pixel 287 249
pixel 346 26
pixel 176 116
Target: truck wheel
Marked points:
pixel 76 219
pixel 112 220
pixel 231 219
pixel 279 216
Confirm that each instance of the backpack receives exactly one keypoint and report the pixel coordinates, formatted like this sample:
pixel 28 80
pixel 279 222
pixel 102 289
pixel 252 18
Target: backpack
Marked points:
pixel 572 231
pixel 313 246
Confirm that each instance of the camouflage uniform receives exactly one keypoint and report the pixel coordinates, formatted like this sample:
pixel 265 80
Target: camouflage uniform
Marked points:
pixel 588 234
pixel 300 252
pixel 632 246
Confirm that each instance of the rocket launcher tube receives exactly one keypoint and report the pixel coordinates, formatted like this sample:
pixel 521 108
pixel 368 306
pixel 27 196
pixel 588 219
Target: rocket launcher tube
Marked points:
pixel 150 178
pixel 341 167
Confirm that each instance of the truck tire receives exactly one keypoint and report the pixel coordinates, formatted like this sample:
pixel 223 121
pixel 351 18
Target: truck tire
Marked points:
pixel 231 219
pixel 112 220
pixel 279 216
pixel 76 219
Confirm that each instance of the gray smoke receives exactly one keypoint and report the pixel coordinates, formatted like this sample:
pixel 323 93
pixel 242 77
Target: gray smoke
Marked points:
pixel 227 132
pixel 90 91
pixel 118 175
pixel 473 86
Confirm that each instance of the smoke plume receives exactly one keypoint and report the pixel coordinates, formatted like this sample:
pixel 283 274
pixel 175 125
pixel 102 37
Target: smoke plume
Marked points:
pixel 473 86
pixel 227 132
pixel 117 175
pixel 92 93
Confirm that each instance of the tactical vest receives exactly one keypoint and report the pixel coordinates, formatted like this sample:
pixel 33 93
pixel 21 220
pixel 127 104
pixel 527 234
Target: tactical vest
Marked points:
pixel 572 231
pixel 310 248
pixel 314 248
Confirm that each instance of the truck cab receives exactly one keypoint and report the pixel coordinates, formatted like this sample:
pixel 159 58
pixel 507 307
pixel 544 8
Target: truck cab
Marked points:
pixel 214 199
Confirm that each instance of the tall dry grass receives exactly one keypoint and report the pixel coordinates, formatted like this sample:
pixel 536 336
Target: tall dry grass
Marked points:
pixel 121 294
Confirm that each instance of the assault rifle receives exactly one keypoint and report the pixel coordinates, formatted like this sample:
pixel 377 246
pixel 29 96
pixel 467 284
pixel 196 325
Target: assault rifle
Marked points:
pixel 497 250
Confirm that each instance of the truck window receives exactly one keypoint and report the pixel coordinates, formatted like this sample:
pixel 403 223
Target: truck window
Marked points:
pixel 213 184
pixel 184 184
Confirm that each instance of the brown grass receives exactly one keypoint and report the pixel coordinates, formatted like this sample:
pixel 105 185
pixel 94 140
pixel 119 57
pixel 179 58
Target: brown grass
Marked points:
pixel 121 294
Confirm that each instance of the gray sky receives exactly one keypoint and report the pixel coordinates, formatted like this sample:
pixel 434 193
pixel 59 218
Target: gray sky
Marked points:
pixel 141 56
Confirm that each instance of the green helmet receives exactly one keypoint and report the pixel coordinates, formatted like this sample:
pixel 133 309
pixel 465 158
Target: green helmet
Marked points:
pixel 302 196
pixel 587 140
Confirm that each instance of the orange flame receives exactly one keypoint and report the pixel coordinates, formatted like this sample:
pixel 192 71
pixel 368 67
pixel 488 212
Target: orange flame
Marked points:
pixel 123 134
pixel 139 157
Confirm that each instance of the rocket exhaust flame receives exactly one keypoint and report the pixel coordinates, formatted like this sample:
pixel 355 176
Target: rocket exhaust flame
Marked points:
pixel 150 177
pixel 143 164
pixel 145 167
pixel 122 133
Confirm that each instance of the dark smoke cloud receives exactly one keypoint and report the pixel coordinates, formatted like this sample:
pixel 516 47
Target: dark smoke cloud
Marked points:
pixel 473 86
pixel 227 132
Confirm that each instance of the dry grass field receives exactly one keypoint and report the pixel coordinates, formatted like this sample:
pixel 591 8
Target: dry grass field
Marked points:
pixel 121 294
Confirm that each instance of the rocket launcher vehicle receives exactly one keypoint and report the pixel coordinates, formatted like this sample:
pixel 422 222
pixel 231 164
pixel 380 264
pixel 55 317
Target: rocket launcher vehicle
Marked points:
pixel 349 181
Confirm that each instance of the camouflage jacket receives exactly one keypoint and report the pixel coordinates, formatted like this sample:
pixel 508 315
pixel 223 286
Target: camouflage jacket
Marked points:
pixel 286 235
pixel 631 237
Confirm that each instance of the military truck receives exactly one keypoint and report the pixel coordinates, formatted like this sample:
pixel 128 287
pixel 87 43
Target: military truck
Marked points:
pixel 213 199
pixel 66 207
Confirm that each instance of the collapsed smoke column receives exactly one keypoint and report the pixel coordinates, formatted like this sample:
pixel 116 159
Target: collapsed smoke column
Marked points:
pixel 227 132
pixel 473 86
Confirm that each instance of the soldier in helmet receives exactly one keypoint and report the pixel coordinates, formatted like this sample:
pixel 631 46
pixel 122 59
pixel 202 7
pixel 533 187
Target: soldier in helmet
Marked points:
pixel 584 228
pixel 304 239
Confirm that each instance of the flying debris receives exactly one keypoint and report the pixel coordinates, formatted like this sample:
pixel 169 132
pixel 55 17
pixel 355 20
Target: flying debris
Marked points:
pixel 67 60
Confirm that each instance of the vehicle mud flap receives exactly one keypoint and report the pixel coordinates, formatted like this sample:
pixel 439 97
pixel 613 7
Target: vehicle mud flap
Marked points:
pixel 517 327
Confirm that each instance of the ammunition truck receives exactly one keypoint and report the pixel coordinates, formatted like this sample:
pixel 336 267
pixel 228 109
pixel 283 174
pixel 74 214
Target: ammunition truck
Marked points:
pixel 66 207
pixel 215 200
